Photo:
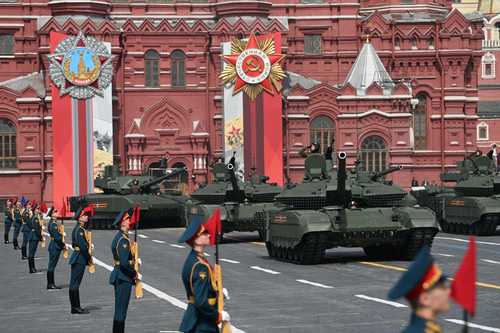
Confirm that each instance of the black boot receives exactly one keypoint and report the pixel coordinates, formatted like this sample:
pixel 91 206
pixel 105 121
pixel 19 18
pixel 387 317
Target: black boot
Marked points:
pixel 50 281
pixel 23 253
pixel 31 264
pixel 16 245
pixel 6 238
pixel 74 296
pixel 118 326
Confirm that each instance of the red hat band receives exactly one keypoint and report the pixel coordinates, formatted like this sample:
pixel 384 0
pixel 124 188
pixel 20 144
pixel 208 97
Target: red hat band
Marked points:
pixel 430 278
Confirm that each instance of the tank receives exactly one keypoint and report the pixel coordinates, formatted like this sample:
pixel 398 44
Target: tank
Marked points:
pixel 158 207
pixel 239 202
pixel 348 210
pixel 471 205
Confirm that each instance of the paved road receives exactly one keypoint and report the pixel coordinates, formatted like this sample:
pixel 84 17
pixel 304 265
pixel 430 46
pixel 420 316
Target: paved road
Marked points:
pixel 345 294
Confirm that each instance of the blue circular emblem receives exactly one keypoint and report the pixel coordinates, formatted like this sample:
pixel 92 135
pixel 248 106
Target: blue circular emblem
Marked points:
pixel 81 66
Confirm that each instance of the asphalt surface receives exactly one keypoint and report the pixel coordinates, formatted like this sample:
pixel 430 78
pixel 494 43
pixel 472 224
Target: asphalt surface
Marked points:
pixel 345 294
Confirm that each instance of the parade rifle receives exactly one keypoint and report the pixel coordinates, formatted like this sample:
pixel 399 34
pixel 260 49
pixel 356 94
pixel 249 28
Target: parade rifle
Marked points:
pixel 135 253
pixel 60 228
pixel 88 236
pixel 215 228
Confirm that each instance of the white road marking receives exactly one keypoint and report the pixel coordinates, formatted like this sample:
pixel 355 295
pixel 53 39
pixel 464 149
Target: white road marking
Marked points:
pixel 383 301
pixel 491 261
pixel 158 293
pixel 178 246
pixel 315 284
pixel 158 241
pixel 466 241
pixel 142 236
pixel 471 325
pixel 230 261
pixel 444 255
pixel 257 268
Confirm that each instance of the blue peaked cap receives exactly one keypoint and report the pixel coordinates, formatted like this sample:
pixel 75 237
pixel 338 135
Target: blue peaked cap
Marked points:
pixel 194 224
pixel 414 275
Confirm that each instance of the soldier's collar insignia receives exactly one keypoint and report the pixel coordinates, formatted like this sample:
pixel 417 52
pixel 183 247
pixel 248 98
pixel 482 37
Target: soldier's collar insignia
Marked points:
pixel 203 275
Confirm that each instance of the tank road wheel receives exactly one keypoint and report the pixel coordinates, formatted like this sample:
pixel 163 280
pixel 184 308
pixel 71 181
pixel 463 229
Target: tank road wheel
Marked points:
pixel 486 227
pixel 311 249
pixel 445 226
pixel 417 238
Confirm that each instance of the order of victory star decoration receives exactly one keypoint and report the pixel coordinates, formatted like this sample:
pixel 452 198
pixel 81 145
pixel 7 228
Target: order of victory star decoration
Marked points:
pixel 253 66
pixel 81 66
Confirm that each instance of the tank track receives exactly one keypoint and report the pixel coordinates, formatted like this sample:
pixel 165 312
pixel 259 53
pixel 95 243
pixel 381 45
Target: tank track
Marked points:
pixel 406 250
pixel 483 227
pixel 310 251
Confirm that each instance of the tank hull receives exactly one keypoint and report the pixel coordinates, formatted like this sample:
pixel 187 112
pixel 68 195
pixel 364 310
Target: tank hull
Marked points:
pixel 303 236
pixel 463 214
pixel 156 210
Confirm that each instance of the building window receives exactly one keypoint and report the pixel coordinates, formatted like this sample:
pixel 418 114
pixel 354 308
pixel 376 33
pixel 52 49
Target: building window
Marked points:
pixel 6 44
pixel 322 130
pixel 178 68
pixel 374 154
pixel 7 144
pixel 488 66
pixel 482 131
pixel 312 44
pixel 152 69
pixel 431 44
pixel 397 43
pixel 420 123
pixel 413 42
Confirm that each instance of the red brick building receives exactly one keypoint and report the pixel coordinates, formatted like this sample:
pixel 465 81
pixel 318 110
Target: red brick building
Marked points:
pixel 410 99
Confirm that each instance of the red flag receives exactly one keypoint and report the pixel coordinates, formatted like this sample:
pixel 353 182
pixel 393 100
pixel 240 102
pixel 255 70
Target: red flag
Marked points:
pixel 135 217
pixel 64 209
pixel 463 287
pixel 214 226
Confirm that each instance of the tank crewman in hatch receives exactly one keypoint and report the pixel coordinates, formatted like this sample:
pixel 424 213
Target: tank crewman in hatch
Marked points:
pixel 124 275
pixel 425 288
pixel 313 148
pixel 202 315
pixel 80 258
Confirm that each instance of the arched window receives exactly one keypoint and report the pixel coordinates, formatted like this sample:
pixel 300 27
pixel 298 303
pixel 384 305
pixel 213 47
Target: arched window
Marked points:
pixel 177 68
pixel 488 66
pixel 420 123
pixel 413 42
pixel 322 130
pixel 397 43
pixel 152 68
pixel 7 144
pixel 374 154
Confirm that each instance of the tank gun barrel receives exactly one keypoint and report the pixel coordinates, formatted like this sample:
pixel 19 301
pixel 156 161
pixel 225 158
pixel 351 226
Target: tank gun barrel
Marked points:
pixel 234 183
pixel 342 176
pixel 382 173
pixel 158 180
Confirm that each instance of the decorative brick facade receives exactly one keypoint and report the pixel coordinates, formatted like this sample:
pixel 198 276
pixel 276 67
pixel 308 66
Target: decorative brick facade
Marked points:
pixel 428 50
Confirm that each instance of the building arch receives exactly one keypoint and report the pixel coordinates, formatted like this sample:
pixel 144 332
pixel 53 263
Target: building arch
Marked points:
pixel 488 63
pixel 8 144
pixel 322 130
pixel 151 69
pixel 374 153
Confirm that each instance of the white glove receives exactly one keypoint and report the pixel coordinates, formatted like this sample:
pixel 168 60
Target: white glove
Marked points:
pixel 92 247
pixel 139 276
pixel 226 294
pixel 64 234
pixel 225 316
pixel 139 261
